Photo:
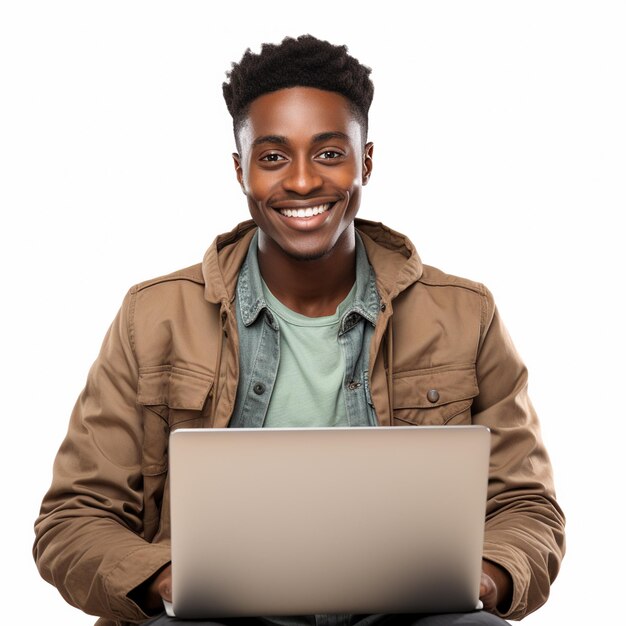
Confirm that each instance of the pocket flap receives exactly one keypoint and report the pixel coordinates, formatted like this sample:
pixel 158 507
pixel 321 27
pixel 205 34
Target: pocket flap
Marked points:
pixel 434 387
pixel 173 387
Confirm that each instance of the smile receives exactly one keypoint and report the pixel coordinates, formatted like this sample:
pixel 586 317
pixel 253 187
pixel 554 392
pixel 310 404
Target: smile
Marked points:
pixel 306 212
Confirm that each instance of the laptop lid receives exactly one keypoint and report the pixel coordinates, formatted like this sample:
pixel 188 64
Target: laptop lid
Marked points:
pixel 338 520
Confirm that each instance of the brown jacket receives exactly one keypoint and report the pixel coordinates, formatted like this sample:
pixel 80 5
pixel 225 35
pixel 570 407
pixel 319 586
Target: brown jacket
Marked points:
pixel 170 359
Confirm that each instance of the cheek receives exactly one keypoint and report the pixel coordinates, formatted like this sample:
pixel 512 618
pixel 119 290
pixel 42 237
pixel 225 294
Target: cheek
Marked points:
pixel 259 187
pixel 352 177
pixel 253 208
pixel 353 183
pixel 355 201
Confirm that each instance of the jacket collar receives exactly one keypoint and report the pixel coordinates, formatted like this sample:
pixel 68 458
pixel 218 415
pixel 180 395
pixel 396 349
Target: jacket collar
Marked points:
pixel 393 257
pixel 221 263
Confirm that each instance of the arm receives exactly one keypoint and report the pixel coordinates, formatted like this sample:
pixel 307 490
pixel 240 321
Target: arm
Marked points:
pixel 524 529
pixel 88 535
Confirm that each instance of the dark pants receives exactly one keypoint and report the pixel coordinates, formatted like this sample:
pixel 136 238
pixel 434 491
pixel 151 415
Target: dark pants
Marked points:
pixel 476 618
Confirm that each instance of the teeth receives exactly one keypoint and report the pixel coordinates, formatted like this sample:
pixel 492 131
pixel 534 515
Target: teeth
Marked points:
pixel 308 212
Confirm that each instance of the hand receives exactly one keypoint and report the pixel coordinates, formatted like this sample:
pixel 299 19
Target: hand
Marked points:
pixel 488 592
pixel 495 587
pixel 159 589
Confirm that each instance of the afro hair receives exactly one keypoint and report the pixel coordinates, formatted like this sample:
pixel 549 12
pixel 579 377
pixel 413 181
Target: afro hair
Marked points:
pixel 302 62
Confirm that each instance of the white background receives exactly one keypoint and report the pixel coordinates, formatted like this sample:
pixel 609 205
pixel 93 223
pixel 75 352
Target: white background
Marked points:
pixel 500 141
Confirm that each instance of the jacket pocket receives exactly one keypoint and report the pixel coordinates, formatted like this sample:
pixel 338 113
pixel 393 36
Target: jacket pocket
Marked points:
pixel 435 396
pixel 171 398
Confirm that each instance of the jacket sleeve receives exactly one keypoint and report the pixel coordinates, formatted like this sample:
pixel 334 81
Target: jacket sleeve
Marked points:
pixel 524 529
pixel 88 534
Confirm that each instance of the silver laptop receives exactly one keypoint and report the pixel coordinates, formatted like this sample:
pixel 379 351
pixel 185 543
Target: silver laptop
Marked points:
pixel 338 520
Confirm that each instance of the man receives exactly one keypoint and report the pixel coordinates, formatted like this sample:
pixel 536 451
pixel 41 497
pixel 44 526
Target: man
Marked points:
pixel 301 317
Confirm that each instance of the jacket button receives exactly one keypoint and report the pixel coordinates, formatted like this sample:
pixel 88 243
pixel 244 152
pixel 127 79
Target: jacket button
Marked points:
pixel 259 389
pixel 433 395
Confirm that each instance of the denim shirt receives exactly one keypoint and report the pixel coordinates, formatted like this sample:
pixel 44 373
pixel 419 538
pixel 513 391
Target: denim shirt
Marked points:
pixel 259 344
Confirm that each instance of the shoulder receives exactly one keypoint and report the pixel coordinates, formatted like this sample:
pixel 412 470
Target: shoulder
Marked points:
pixel 170 322
pixel 434 277
pixel 171 299
pixel 169 302
pixel 191 274
pixel 446 299
pixel 169 292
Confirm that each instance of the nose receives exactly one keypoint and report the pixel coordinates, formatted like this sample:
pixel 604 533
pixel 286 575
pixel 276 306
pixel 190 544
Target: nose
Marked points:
pixel 302 177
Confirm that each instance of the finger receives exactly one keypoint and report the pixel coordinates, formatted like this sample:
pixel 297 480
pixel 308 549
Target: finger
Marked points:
pixel 165 591
pixel 485 585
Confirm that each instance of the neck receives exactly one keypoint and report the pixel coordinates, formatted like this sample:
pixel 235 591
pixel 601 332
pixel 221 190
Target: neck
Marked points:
pixel 312 287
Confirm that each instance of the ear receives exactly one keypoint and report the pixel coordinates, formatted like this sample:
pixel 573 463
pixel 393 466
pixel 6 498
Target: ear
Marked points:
pixel 239 170
pixel 368 154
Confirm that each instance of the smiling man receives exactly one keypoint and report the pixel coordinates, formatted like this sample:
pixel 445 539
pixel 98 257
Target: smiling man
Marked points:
pixel 302 167
pixel 302 317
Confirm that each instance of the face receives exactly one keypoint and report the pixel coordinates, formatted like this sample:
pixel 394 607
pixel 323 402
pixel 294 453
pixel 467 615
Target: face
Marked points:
pixel 302 166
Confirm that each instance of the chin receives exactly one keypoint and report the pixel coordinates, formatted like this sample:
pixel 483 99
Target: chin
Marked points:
pixel 313 255
pixel 315 252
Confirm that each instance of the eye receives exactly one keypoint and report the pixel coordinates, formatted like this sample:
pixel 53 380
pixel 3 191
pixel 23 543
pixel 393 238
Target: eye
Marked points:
pixel 330 154
pixel 272 158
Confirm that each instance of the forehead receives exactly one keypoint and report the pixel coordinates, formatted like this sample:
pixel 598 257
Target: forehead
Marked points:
pixel 299 113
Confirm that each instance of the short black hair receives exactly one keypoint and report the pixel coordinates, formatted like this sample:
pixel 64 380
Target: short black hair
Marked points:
pixel 302 62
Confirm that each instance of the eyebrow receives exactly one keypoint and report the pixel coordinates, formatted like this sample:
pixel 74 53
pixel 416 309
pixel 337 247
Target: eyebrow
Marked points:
pixel 334 134
pixel 270 139
pixel 282 140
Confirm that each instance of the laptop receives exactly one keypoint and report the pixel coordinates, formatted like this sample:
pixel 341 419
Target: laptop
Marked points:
pixel 275 522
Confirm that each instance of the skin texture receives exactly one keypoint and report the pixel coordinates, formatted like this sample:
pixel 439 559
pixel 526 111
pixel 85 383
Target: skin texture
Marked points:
pixel 302 147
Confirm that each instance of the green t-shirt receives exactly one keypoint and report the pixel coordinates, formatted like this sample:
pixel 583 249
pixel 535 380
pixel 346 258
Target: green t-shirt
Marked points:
pixel 308 391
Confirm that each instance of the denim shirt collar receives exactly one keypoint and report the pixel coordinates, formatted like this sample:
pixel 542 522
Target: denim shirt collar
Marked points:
pixel 366 301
